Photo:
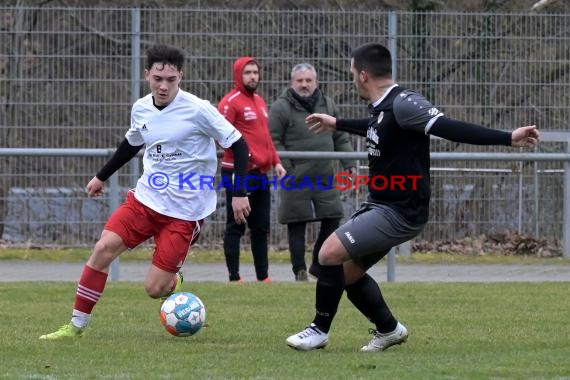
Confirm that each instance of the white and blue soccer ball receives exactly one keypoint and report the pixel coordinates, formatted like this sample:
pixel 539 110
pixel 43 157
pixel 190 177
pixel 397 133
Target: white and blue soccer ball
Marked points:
pixel 183 314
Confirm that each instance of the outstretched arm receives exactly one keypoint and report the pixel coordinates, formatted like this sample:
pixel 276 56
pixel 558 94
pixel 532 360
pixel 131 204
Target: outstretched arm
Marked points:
pixel 320 122
pixel 525 137
pixel 463 132
pixel 122 155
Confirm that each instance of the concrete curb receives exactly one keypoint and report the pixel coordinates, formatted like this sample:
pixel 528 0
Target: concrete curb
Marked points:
pixel 13 271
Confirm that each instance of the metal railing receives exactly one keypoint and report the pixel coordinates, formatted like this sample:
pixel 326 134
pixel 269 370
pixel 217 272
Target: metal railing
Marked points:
pixel 70 75
pixel 114 193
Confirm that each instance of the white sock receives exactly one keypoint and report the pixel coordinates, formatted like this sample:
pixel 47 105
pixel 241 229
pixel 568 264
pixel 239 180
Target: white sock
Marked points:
pixel 80 319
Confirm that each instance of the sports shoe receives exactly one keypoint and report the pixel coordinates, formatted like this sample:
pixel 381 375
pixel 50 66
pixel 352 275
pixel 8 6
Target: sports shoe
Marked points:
pixel 380 342
pixel 301 275
pixel 267 280
pixel 68 331
pixel 309 339
pixel 315 269
pixel 241 280
pixel 177 288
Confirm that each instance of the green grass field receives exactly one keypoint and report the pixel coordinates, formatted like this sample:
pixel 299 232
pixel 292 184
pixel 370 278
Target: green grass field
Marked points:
pixel 457 331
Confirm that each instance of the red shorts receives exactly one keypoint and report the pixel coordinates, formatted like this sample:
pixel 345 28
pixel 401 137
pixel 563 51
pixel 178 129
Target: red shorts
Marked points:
pixel 135 223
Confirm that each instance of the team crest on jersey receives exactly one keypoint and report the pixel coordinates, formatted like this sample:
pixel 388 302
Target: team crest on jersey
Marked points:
pixel 372 135
pixel 380 117
pixel 372 142
pixel 249 114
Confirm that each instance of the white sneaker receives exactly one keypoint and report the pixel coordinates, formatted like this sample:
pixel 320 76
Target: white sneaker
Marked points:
pixel 309 339
pixel 380 342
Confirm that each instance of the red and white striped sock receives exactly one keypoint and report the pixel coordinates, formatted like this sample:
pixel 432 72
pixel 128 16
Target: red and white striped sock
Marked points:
pixel 89 291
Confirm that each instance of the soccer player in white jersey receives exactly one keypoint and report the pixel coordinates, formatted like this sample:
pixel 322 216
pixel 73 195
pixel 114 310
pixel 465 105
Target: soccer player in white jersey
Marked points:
pixel 169 202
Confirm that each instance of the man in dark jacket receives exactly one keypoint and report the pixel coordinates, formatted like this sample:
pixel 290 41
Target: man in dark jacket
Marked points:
pixel 289 132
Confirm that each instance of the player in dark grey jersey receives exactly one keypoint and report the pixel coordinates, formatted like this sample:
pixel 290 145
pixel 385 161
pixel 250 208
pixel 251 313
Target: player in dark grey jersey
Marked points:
pixel 397 136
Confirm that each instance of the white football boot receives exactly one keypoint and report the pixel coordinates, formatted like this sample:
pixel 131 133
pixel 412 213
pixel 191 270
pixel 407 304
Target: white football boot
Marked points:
pixel 309 339
pixel 380 342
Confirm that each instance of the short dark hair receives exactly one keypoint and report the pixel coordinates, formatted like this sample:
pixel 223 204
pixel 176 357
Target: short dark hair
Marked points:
pixel 165 54
pixel 373 58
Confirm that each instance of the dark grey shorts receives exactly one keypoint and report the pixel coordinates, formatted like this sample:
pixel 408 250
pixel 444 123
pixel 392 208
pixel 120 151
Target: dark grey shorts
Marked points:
pixel 370 233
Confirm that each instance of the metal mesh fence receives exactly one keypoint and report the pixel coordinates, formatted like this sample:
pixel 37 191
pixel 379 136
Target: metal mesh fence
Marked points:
pixel 70 75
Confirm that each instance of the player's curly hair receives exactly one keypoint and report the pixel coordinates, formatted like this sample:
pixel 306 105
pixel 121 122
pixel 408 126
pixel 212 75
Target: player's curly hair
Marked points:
pixel 165 54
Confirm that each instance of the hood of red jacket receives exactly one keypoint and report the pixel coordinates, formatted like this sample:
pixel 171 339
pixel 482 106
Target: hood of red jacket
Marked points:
pixel 239 65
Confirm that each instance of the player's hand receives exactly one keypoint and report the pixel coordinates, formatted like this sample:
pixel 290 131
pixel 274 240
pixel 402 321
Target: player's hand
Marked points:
pixel 321 122
pixel 280 171
pixel 525 137
pixel 241 208
pixel 95 187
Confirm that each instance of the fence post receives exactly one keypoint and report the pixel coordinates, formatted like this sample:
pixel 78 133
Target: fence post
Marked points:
pixel 566 207
pixel 405 249
pixel 393 47
pixel 392 41
pixel 391 273
pixel 536 204
pixel 113 204
pixel 135 77
pixel 521 183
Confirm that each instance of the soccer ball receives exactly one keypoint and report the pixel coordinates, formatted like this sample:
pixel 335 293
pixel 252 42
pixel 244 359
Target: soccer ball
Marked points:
pixel 183 314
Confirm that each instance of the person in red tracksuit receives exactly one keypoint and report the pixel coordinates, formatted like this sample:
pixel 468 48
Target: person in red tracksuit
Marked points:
pixel 247 111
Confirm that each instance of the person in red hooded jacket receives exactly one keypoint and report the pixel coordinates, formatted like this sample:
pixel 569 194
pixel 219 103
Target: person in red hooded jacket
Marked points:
pixel 247 111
